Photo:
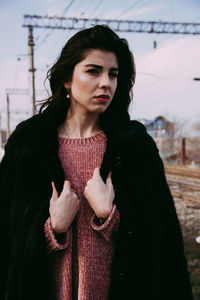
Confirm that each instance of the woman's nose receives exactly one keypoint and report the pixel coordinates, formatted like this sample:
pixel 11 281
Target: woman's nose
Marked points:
pixel 104 81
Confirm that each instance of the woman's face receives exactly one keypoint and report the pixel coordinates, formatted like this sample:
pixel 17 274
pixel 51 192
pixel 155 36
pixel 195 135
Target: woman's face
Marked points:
pixel 94 81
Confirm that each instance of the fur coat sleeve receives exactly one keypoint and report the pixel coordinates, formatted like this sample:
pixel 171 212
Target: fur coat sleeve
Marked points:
pixel 26 172
pixel 149 261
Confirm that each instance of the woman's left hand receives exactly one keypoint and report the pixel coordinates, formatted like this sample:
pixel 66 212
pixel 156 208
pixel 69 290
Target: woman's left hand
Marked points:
pixel 100 195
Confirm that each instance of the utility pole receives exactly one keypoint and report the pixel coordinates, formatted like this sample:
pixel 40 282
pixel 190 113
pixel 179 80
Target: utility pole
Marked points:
pixel 32 69
pixel 183 151
pixel 12 91
pixel 8 115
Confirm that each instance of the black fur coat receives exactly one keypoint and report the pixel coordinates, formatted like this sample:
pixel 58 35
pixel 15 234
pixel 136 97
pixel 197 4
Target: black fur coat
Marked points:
pixel 149 261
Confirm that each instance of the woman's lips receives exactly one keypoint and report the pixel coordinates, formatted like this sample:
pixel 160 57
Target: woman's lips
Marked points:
pixel 102 98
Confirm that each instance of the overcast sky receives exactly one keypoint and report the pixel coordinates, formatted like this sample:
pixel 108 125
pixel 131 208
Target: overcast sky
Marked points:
pixel 164 80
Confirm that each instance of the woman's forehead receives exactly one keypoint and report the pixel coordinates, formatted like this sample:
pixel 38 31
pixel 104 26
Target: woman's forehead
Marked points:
pixel 100 57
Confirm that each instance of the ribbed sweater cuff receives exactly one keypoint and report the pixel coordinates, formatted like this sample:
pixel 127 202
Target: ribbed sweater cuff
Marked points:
pixel 110 226
pixel 52 241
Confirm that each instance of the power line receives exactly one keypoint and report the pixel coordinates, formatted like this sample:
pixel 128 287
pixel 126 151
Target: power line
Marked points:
pixel 128 8
pixel 144 4
pixel 14 91
pixel 44 39
pixel 50 32
pixel 90 4
pixel 68 6
pixel 96 7
pixel 77 8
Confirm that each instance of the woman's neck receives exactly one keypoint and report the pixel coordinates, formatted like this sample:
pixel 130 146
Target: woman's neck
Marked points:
pixel 79 126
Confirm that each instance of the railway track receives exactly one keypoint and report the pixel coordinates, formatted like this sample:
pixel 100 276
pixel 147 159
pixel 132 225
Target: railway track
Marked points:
pixel 182 171
pixel 184 183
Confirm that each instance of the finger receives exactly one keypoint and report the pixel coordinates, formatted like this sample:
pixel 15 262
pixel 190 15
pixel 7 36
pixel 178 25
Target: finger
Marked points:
pixel 67 185
pixel 72 190
pixel 109 179
pixel 88 182
pixel 96 173
pixel 54 192
pixel 85 190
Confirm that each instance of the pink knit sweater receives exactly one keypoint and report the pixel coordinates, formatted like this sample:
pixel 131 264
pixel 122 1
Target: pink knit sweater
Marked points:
pixel 80 264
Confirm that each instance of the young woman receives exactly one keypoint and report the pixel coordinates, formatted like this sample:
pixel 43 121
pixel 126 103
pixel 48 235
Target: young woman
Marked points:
pixel 86 212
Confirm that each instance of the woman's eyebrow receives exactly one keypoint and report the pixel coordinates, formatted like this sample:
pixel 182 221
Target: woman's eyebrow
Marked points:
pixel 100 67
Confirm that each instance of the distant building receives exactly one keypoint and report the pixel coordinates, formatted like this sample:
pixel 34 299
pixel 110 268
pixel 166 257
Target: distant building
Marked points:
pixel 159 127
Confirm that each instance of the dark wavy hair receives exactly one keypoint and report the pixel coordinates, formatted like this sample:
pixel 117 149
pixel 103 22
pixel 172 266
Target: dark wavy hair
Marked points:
pixel 75 50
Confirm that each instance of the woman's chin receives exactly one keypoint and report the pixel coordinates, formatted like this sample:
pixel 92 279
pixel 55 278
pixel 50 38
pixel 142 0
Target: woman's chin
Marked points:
pixel 99 109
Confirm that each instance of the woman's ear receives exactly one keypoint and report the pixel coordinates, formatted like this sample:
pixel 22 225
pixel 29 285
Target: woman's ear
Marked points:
pixel 67 85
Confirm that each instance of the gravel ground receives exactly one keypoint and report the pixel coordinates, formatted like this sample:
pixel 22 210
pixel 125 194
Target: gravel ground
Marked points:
pixel 189 217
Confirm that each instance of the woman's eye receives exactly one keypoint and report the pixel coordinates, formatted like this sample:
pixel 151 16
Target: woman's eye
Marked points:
pixel 93 71
pixel 113 74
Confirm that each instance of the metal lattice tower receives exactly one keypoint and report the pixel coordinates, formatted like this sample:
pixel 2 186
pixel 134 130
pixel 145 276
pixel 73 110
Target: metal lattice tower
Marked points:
pixel 117 25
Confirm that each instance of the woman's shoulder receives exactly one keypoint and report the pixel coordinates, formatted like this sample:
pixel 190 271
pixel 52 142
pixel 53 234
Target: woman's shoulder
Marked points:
pixel 26 132
pixel 137 127
pixel 134 130
pixel 136 138
pixel 29 124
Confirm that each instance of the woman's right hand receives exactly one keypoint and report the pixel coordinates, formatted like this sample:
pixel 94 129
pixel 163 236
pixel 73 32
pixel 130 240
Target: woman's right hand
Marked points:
pixel 64 208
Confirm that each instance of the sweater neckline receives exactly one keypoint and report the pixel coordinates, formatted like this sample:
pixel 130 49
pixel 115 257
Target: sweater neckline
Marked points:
pixel 99 136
